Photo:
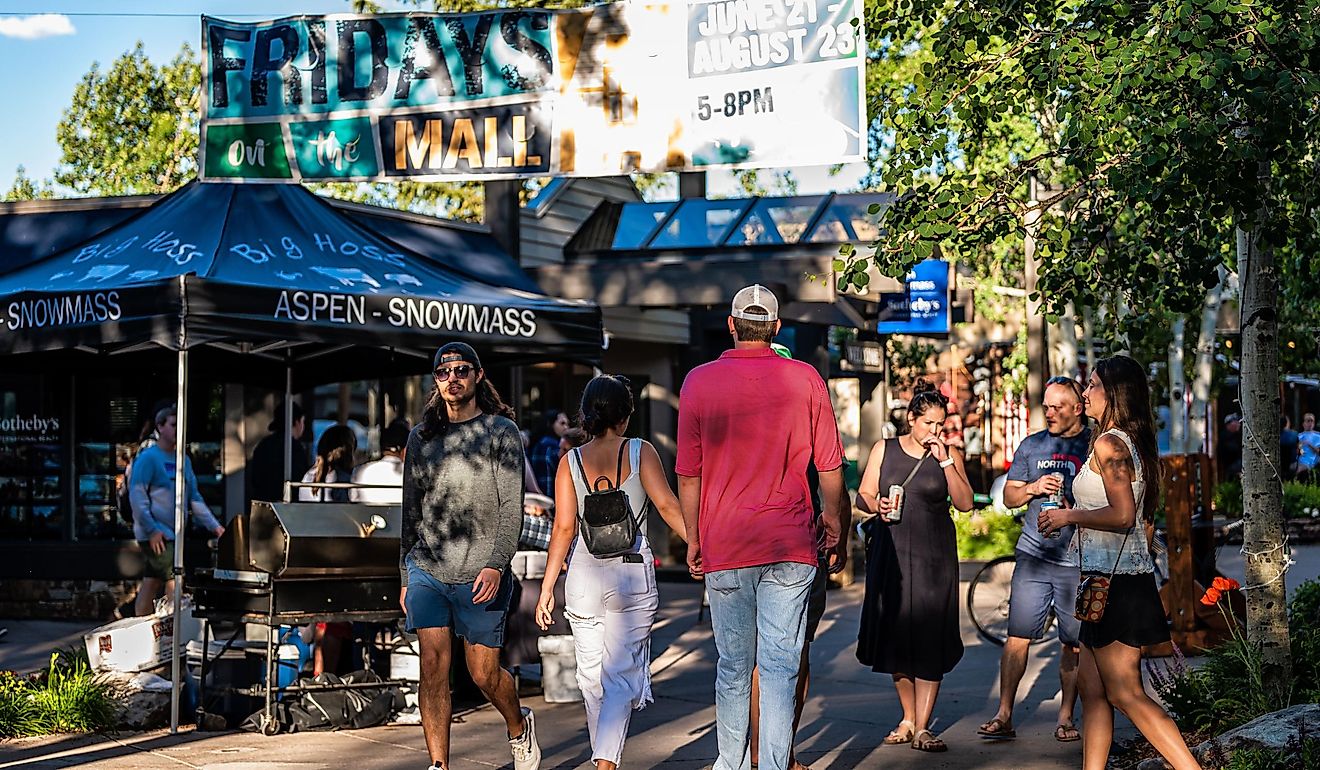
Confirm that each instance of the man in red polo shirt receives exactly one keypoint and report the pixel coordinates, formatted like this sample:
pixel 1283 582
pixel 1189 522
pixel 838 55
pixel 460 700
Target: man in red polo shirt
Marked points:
pixel 749 424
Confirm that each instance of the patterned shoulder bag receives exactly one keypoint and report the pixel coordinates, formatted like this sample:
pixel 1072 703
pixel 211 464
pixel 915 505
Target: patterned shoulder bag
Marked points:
pixel 1093 593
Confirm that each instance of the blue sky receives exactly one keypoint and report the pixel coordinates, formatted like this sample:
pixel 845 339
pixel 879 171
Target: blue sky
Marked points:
pixel 39 73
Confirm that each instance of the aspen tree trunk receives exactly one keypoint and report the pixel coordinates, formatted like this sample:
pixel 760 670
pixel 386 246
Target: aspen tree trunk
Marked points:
pixel 1088 331
pixel 1038 359
pixel 1262 489
pixel 1198 429
pixel 1177 389
pixel 1066 350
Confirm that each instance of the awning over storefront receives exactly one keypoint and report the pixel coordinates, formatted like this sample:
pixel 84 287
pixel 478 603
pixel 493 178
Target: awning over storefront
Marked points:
pixel 279 270
pixel 696 251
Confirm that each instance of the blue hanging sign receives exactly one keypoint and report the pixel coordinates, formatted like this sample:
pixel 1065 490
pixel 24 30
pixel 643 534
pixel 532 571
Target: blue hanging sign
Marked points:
pixel 923 308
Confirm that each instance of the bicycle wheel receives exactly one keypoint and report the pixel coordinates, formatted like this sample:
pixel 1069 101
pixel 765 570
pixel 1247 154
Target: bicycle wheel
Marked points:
pixel 987 598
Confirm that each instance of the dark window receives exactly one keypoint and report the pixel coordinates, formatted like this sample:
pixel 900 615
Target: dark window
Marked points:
pixel 32 445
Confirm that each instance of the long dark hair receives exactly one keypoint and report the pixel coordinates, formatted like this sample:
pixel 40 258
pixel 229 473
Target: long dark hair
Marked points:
pixel 334 452
pixel 435 419
pixel 606 401
pixel 1127 407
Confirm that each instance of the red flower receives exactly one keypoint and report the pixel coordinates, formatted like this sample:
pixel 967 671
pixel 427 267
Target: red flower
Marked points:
pixel 1212 595
pixel 1225 584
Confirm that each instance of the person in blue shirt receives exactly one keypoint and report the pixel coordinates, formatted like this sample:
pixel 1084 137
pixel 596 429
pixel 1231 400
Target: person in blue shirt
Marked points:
pixel 151 493
pixel 546 449
pixel 1046 573
pixel 1308 447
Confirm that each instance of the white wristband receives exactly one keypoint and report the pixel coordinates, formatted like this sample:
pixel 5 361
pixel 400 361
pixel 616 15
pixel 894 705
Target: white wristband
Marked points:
pixel 946 463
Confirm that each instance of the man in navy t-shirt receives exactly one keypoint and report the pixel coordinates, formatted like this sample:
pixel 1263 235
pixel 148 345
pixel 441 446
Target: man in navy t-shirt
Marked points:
pixel 1047 570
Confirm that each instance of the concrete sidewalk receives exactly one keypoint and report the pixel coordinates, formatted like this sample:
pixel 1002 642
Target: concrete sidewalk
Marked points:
pixel 848 714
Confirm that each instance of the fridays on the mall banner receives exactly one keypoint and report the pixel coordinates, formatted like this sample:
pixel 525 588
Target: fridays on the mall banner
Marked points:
pixel 615 88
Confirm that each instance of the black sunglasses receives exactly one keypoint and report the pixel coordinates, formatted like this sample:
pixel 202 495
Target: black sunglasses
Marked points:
pixel 461 372
pixel 1069 381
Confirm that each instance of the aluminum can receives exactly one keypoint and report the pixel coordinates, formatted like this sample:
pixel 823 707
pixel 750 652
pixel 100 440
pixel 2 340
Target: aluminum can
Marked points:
pixel 896 502
pixel 1054 502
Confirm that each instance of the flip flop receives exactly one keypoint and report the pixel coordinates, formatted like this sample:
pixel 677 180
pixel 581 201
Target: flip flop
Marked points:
pixel 1066 733
pixel 896 738
pixel 996 729
pixel 925 740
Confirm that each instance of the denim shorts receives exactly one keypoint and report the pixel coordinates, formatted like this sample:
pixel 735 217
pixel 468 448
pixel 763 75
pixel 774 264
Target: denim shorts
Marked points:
pixel 435 604
pixel 1038 584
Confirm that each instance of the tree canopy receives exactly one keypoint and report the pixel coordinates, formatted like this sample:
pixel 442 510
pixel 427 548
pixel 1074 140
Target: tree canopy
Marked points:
pixel 1147 121
pixel 131 129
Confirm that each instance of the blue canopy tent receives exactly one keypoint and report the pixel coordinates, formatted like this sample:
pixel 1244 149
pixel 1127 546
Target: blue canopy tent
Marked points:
pixel 264 279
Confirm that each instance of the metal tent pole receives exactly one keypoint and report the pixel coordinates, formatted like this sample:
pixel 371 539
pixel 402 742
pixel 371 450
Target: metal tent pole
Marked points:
pixel 180 520
pixel 288 427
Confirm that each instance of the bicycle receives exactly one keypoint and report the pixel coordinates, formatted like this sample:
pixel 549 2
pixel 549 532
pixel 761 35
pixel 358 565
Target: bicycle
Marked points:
pixel 987 602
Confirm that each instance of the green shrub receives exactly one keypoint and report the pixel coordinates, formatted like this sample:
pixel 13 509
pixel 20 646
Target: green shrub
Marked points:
pixel 18 711
pixel 1300 500
pixel 1228 690
pixel 1228 499
pixel 985 534
pixel 74 700
pixel 65 698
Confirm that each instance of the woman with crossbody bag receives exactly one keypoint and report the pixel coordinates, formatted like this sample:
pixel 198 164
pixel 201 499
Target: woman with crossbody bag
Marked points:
pixel 602 492
pixel 1118 601
pixel 910 627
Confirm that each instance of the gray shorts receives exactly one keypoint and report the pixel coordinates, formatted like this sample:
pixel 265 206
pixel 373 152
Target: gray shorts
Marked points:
pixel 816 599
pixel 1038 585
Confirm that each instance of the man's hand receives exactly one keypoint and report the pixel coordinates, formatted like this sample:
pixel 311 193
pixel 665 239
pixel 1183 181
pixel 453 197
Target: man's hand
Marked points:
pixel 838 557
pixel 218 531
pixel 156 543
pixel 1046 485
pixel 694 559
pixel 485 586
pixel 403 603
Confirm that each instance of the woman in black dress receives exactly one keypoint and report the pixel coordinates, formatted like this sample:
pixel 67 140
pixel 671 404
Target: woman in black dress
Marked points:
pixel 910 623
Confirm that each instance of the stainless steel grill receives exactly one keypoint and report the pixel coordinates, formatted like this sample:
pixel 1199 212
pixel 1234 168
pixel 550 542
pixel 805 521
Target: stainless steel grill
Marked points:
pixel 296 563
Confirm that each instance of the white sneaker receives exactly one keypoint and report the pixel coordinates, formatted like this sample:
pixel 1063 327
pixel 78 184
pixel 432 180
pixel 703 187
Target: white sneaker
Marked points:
pixel 526 751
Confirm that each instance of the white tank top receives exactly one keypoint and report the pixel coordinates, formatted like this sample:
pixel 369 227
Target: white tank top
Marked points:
pixel 632 486
pixel 1102 550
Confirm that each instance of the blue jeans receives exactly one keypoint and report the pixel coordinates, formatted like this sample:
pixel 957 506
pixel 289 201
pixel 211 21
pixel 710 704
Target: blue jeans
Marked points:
pixel 760 619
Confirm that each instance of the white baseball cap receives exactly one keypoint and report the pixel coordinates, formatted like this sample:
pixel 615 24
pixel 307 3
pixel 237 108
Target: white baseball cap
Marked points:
pixel 758 297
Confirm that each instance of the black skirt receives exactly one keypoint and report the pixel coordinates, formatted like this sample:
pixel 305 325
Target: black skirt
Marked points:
pixel 1133 615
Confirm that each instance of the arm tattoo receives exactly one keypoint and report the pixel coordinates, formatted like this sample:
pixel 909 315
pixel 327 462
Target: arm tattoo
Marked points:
pixel 1121 466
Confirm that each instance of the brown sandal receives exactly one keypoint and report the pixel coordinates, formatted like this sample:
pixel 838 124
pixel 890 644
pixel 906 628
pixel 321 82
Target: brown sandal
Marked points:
pixel 998 729
pixel 899 735
pixel 925 740
pixel 1066 733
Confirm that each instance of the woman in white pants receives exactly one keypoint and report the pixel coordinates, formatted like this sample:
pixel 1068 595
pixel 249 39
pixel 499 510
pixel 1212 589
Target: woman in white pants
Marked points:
pixel 609 602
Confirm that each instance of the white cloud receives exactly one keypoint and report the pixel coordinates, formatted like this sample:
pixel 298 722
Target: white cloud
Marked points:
pixel 33 27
